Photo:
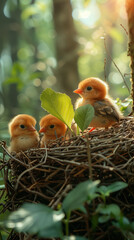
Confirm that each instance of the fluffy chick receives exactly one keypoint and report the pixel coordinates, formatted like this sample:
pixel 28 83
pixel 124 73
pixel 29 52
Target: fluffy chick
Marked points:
pixel 94 91
pixel 23 133
pixel 52 128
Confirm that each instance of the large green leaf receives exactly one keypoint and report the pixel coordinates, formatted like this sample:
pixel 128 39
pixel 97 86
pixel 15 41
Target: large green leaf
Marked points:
pixel 37 219
pixel 85 191
pixel 83 116
pixel 58 104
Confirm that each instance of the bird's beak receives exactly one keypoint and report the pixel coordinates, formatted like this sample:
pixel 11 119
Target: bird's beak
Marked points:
pixel 42 130
pixel 31 128
pixel 78 91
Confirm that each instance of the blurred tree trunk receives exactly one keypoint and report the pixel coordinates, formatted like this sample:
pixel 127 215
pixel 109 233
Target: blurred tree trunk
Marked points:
pixel 66 48
pixel 32 40
pixel 130 14
pixel 9 36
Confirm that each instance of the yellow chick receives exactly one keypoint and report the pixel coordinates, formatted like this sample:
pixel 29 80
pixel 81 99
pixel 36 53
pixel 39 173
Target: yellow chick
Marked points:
pixel 23 133
pixel 52 128
pixel 94 91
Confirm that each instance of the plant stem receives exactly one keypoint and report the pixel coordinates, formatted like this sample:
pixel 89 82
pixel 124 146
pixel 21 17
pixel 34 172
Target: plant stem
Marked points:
pixel 89 159
pixel 67 223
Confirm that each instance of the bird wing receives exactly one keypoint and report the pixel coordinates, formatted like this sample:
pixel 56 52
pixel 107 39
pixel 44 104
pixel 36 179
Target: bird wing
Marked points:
pixel 106 108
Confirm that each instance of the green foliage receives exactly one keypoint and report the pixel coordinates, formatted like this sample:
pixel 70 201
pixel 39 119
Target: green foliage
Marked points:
pixel 34 9
pixel 125 225
pixel 105 191
pixel 58 104
pixel 83 116
pixel 16 75
pixel 3 235
pixel 124 105
pixel 36 219
pixel 108 212
pixel 85 191
pixel 44 222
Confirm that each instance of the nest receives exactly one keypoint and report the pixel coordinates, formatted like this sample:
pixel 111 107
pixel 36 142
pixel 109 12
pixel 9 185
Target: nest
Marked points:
pixel 46 175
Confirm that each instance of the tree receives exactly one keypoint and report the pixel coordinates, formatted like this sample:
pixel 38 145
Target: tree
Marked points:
pixel 66 47
pixel 130 13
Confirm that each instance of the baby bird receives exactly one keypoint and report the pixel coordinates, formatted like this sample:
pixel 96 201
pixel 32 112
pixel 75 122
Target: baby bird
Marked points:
pixel 94 91
pixel 52 128
pixel 23 133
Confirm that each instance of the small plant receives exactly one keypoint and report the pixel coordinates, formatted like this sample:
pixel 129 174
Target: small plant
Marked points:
pixel 124 105
pixel 41 220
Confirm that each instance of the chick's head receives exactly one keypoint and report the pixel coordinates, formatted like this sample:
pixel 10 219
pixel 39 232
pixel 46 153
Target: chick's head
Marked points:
pixel 92 88
pixel 22 124
pixel 52 126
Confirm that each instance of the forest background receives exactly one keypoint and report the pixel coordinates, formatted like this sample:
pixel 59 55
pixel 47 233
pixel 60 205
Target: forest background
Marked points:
pixel 56 44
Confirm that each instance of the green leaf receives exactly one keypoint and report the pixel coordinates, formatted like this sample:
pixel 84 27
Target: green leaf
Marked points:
pixel 74 238
pixel 103 219
pixel 83 116
pixel 36 219
pixel 85 191
pixel 109 209
pixel 58 104
pixel 125 225
pixel 114 187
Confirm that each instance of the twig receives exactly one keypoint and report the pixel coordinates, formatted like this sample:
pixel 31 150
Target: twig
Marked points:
pixel 89 159
pixel 116 65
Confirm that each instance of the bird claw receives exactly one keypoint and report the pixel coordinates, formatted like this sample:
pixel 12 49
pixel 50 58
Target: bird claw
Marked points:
pixel 91 129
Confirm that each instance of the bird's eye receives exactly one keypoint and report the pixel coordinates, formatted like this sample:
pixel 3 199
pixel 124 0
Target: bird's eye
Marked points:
pixel 51 126
pixel 22 126
pixel 89 88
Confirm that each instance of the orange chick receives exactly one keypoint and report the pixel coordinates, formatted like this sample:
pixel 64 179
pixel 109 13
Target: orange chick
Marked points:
pixel 52 128
pixel 94 91
pixel 23 133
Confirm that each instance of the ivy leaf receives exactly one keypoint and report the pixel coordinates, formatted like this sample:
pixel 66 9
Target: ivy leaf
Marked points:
pixel 85 191
pixel 36 219
pixel 58 104
pixel 83 116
